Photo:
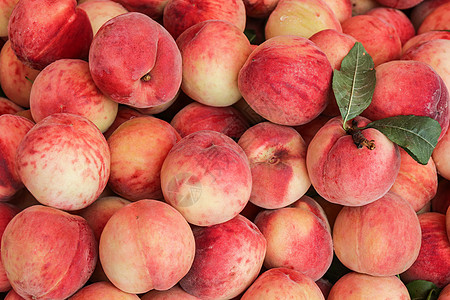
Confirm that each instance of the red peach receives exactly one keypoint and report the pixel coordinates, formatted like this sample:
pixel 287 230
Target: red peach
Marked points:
pixel 339 169
pixel 228 258
pixel 174 293
pixel 12 295
pixel 341 8
pixel 325 286
pixel 381 238
pixel 146 245
pixel 399 4
pixel 441 156
pixel 44 31
pixel 124 113
pixel 23 199
pixel 133 67
pixel 7 213
pixel 283 283
pixel 13 129
pixel 196 116
pixel 438 19
pixel 15 77
pixel 102 290
pixel 356 286
pixel 179 15
pixel 9 107
pixel 64 161
pixel 101 11
pixel 308 203
pixel 285 229
pixel 425 37
pixel 33 259
pixel 286 80
pixel 433 262
pixel 361 7
pixel 277 157
pixel 419 12
pixel 445 293
pixel 407 87
pixel 6 8
pixel 66 86
pixel 206 176
pixel 259 9
pixel 416 183
pixel 138 149
pixel 152 8
pixel 383 43
pixel 398 19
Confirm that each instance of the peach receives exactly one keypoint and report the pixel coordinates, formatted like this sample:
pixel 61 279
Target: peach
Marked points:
pixel 213 52
pixel 398 19
pixel 425 37
pixel 174 293
pixel 399 4
pixel 355 286
pixel 102 290
pixel 228 258
pixel 101 11
pixel 301 18
pixel 435 53
pixel 325 286
pixel 416 183
pixel 44 31
pixel 445 293
pixel 338 167
pixel 287 228
pixel 13 129
pixel 441 201
pixel 33 259
pixel 341 8
pixel 259 9
pixel 132 67
pixel 381 238
pixel 423 9
pixel 407 87
pixel 441 156
pixel 64 161
pixel 286 80
pixel 179 15
pixel 66 86
pixel 196 116
pixel 146 245
pixel 8 107
pixel 6 8
pixel 447 222
pixel 438 19
pixel 124 113
pixel 361 7
pixel 248 112
pixel 308 203
pixel 23 199
pixel 7 213
pixel 382 44
pixel 15 77
pixel 309 130
pixel 138 149
pixel 12 295
pixel 152 8
pixel 433 262
pixel 277 157
pixel 207 177
pixel 283 283
pixel 331 209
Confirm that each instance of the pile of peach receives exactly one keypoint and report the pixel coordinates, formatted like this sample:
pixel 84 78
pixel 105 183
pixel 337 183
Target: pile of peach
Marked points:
pixel 153 150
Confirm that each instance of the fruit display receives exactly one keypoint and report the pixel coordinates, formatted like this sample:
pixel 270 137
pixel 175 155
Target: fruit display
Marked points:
pixel 232 149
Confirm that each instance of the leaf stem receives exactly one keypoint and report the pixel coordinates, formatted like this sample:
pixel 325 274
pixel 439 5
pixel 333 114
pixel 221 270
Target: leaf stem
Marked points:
pixel 358 138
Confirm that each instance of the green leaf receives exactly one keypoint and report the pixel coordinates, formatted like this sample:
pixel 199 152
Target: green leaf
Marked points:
pixel 354 83
pixel 250 34
pixel 422 290
pixel 417 135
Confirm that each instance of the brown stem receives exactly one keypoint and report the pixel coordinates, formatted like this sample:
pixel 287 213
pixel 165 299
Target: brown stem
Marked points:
pixel 359 139
pixel 146 77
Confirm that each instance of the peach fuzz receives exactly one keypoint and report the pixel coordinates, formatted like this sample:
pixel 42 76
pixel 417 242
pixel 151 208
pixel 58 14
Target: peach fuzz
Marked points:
pixel 174 293
pixel 356 286
pixel 433 262
pixel 286 80
pixel 124 113
pixel 9 107
pixel 438 19
pixel 179 15
pixel 213 52
pixel 301 18
pixel 102 290
pixel 101 11
pixel 196 116
pixel 63 242
pixel 277 157
pixel 15 77
pixel 206 176
pixel 66 86
pixel 420 11
pixel 146 245
pixel 407 87
pixel 416 183
pixel 383 43
pixel 64 161
pixel 344 174
pixel 138 149
pixel 13 129
pixel 44 31
pixel 132 67
pixel 381 238
pixel 283 283
pixel 7 213
pixel 398 19
pixel 287 228
pixel 228 258
pixel 425 37
pixel 259 9
pixel 97 215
